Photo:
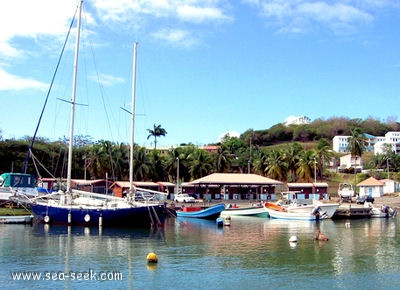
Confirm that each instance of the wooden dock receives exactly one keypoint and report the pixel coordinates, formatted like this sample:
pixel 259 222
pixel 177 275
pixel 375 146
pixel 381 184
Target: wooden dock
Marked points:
pixel 352 211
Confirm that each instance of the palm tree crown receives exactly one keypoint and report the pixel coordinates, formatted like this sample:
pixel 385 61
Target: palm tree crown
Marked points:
pixel 357 143
pixel 157 131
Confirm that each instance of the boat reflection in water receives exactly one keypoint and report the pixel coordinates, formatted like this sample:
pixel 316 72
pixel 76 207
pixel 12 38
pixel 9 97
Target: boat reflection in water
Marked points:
pixel 249 254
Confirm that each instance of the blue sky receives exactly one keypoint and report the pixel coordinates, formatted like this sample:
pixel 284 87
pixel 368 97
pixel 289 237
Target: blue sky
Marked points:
pixel 205 67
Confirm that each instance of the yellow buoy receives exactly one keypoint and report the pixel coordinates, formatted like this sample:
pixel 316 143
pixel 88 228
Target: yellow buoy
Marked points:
pixel 152 258
pixel 151 266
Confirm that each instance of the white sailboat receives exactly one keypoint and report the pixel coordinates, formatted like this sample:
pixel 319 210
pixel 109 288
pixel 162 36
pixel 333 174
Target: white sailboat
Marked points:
pixel 75 207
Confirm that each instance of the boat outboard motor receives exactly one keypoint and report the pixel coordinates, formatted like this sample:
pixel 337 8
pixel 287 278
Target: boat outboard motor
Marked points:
pixel 392 212
pixel 316 210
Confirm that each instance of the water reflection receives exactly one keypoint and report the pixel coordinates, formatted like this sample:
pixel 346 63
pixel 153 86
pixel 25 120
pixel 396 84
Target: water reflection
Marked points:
pixel 249 253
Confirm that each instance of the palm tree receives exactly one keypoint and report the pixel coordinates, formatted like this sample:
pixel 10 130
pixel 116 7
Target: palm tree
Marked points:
pixel 157 166
pixel 201 163
pixel 291 157
pixel 306 165
pixel 259 161
pixel 98 159
pixel 141 165
pixel 223 159
pixel 324 154
pixel 357 143
pixel 276 165
pixel 157 131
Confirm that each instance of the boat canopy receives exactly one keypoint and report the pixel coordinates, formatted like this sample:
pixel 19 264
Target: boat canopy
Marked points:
pixel 17 180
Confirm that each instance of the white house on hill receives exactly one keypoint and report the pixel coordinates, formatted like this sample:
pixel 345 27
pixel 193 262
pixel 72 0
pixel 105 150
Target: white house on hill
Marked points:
pixel 348 161
pixel 375 144
pixel 293 120
pixel 392 139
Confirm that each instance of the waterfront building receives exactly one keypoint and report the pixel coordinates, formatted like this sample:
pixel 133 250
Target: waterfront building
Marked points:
pixel 370 187
pixel 306 190
pixel 228 186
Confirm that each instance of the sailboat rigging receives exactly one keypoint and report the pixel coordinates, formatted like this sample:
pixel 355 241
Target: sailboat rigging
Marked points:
pixel 76 207
pixel 131 193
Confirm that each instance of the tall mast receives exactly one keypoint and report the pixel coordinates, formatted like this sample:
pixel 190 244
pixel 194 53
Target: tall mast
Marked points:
pixel 132 120
pixel 71 126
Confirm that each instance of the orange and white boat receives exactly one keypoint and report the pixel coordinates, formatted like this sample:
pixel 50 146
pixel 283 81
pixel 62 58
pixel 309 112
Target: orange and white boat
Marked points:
pixel 278 211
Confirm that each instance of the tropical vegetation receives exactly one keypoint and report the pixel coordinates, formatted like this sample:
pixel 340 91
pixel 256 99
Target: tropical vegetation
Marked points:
pixel 285 159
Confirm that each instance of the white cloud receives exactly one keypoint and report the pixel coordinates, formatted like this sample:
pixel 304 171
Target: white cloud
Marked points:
pixel 31 19
pixel 323 12
pixel 228 133
pixel 16 83
pixel 176 22
pixel 198 11
pixel 106 80
pixel 301 15
pixel 176 37
pixel 201 14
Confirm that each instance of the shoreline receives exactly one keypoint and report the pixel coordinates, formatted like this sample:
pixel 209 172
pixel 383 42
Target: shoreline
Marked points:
pixel 391 200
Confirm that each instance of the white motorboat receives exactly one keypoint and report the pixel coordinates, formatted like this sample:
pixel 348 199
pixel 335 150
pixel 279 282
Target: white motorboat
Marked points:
pixel 383 212
pixel 17 184
pixel 279 212
pixel 308 206
pixel 346 191
pixel 255 210
pixel 16 219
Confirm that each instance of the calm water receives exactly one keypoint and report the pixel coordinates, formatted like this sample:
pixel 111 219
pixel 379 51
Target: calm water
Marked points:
pixel 253 253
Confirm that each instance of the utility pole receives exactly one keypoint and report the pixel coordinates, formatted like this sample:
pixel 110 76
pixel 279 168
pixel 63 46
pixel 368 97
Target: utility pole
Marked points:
pixel 177 175
pixel 249 163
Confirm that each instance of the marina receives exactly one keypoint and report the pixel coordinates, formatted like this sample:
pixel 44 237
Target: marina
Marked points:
pixel 292 206
pixel 196 254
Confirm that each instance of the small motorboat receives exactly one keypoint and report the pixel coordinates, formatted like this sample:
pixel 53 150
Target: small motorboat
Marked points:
pixel 255 210
pixel 383 212
pixel 327 209
pixel 279 212
pixel 307 206
pixel 210 213
pixel 346 192
pixel 16 219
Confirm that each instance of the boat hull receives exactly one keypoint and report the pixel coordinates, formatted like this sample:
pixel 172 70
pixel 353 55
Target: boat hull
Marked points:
pixel 383 212
pixel 19 219
pixel 292 216
pixel 245 211
pixel 328 210
pixel 276 211
pixel 212 212
pixel 142 216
